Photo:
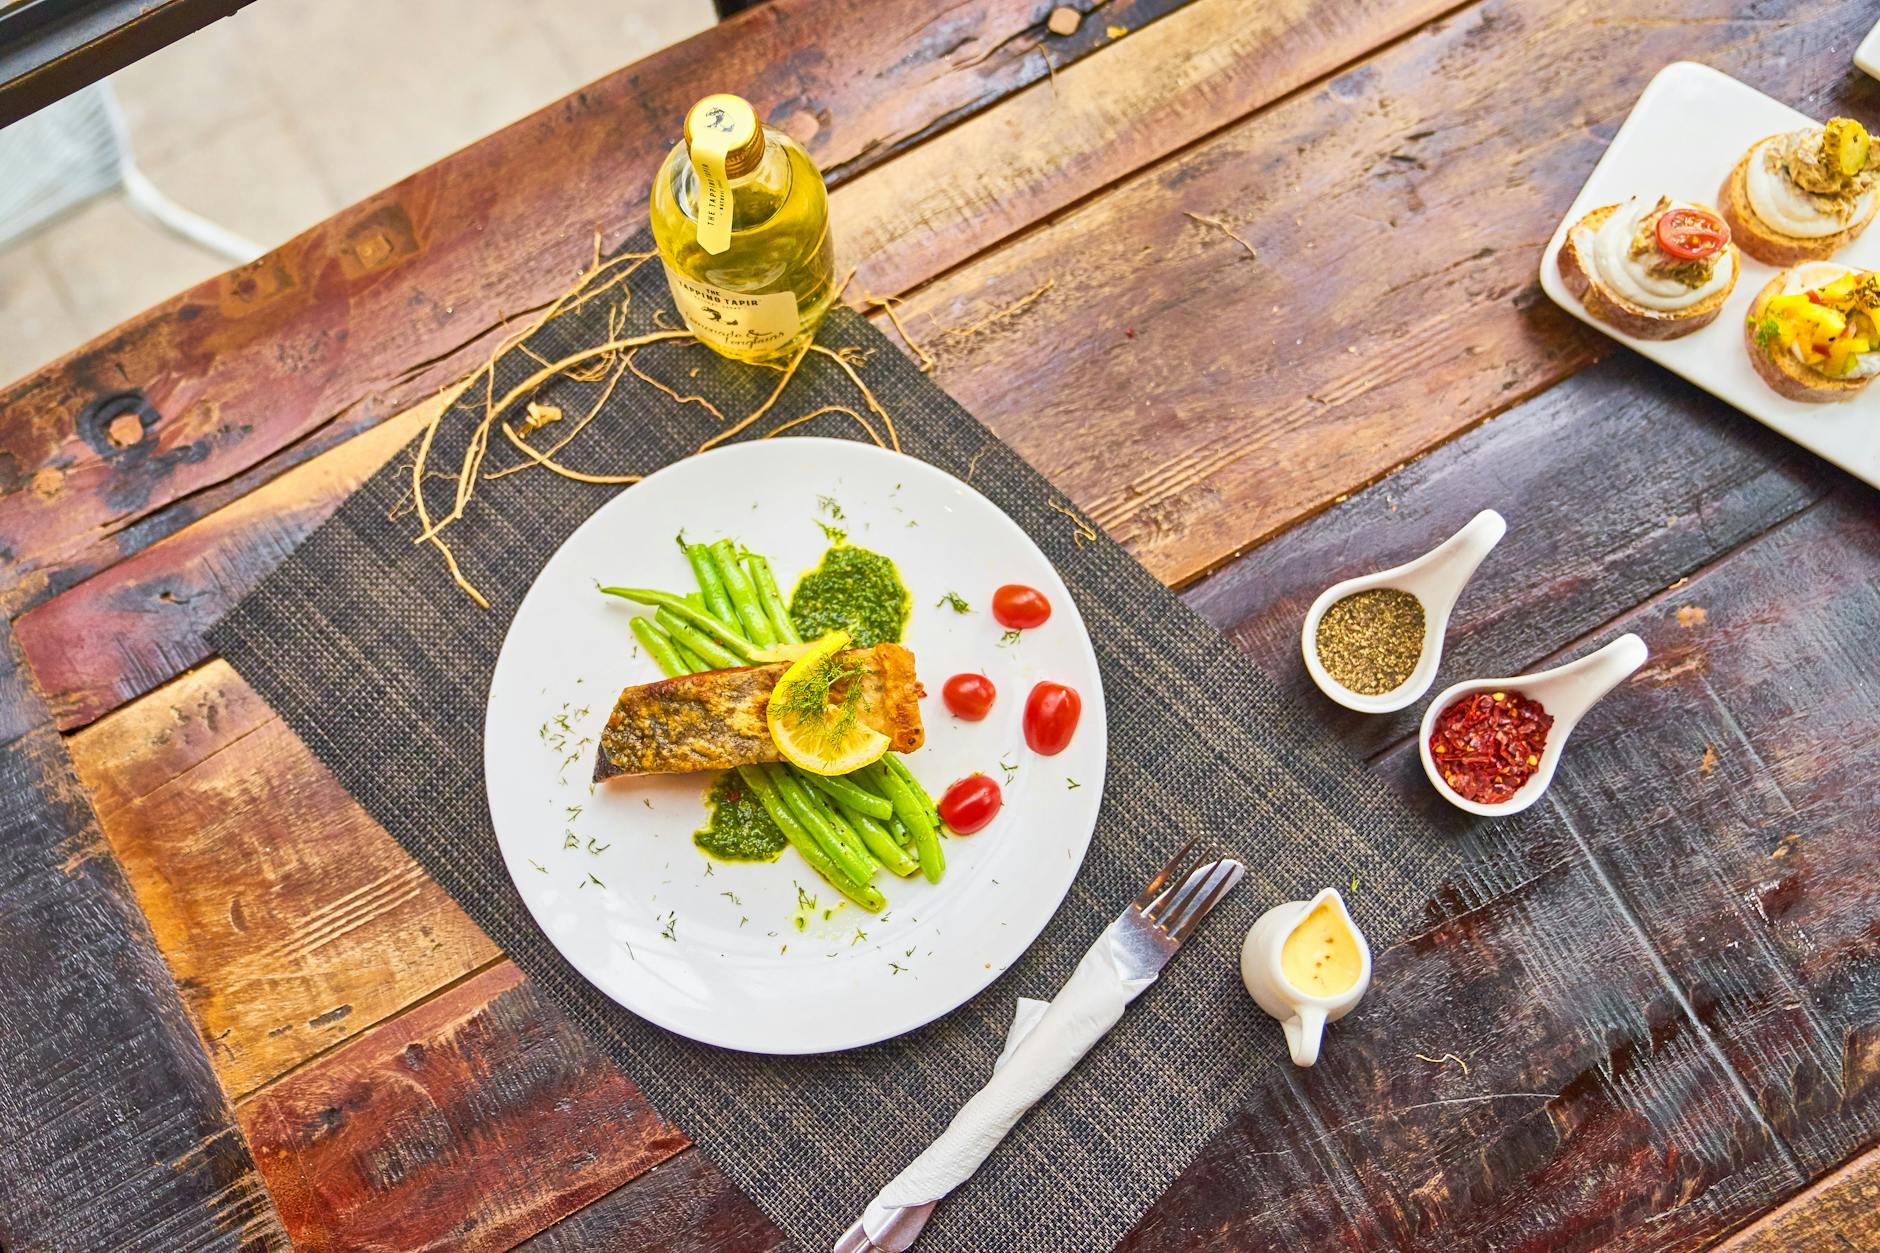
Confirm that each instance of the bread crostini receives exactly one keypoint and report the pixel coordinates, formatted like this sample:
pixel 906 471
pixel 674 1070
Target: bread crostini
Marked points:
pixel 1813 332
pixel 1654 270
pixel 1801 196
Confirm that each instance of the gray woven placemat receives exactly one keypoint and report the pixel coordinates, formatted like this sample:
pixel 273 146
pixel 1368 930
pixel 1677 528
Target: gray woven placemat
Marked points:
pixel 361 642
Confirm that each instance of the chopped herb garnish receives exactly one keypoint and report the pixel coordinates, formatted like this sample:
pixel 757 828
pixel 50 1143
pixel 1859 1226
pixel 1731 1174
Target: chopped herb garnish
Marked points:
pixel 732 897
pixel 955 602
pixel 597 849
pixel 1010 637
pixel 538 865
pixel 898 968
pixel 671 930
pixel 1070 784
pixel 596 882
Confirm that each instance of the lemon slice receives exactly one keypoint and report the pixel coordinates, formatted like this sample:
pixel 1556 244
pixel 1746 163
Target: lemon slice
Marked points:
pixel 812 730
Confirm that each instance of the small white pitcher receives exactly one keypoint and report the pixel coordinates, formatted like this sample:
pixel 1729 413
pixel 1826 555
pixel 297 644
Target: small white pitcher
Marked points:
pixel 1302 1015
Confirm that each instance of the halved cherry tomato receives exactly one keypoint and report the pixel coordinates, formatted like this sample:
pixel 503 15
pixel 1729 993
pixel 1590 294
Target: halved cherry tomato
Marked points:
pixel 1692 234
pixel 969 696
pixel 1051 713
pixel 970 804
pixel 1020 607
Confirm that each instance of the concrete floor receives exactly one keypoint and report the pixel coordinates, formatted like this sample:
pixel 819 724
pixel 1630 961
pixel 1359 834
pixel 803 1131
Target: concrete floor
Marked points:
pixel 270 120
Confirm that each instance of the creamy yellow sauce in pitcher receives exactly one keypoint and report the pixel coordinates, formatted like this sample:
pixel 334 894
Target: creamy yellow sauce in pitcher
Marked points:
pixel 1320 957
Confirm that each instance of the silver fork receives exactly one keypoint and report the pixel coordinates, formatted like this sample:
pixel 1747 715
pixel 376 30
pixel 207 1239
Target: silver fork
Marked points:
pixel 1044 1046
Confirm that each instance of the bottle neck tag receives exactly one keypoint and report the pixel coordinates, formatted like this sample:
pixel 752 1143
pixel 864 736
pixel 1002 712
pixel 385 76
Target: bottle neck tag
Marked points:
pixel 718 126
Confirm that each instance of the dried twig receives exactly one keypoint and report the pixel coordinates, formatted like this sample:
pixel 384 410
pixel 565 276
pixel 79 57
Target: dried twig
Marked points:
pixel 842 358
pixel 1444 1060
pixel 1084 530
pixel 999 315
pixel 817 413
pixel 542 459
pixel 1223 228
pixel 644 377
pixel 764 408
pixel 886 305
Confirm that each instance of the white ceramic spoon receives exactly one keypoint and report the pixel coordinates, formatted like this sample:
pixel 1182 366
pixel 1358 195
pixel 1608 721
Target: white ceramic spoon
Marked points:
pixel 1566 692
pixel 1436 579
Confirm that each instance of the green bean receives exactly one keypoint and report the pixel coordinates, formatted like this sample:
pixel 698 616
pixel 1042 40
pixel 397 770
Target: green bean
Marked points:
pixel 910 811
pixel 697 618
pixel 852 795
pixel 803 805
pixel 900 767
pixel 867 896
pixel 710 586
pixel 658 645
pixel 880 841
pixel 765 584
pixel 845 831
pixel 901 834
pixel 696 601
pixel 715 655
pixel 693 663
pixel 756 626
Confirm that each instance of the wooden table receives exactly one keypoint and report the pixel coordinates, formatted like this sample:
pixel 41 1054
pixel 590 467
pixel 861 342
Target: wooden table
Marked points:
pixel 1255 284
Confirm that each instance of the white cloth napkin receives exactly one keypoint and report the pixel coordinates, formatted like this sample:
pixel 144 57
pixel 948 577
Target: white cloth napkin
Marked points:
pixel 1046 1039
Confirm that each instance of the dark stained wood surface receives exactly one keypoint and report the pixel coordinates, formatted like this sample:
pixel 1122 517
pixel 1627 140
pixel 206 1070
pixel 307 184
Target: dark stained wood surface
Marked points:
pixel 113 1131
pixel 401 1141
pixel 1645 1016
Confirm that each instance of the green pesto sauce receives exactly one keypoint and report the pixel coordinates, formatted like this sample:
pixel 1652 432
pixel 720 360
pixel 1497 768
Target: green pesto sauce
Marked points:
pixel 739 829
pixel 853 590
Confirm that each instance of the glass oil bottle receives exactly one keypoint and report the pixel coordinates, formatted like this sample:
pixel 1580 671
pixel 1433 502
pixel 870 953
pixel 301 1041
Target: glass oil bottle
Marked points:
pixel 741 220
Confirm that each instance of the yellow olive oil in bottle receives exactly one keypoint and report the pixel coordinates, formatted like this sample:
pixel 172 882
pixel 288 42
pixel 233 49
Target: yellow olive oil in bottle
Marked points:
pixel 741 218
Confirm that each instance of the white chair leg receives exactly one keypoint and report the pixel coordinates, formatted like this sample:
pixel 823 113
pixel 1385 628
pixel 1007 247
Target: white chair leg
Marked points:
pixel 165 212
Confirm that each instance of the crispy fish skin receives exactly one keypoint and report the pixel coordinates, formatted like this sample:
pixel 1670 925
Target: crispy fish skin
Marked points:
pixel 716 720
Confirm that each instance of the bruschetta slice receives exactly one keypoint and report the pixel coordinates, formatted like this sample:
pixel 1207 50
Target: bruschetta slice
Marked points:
pixel 1653 269
pixel 1813 332
pixel 1803 195
pixel 715 720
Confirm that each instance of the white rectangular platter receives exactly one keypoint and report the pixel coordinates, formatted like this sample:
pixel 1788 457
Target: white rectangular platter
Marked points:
pixel 1687 130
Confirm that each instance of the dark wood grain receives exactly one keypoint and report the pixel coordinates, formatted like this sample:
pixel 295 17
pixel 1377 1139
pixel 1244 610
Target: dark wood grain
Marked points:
pixel 1194 398
pixel 683 1205
pixel 383 304
pixel 291 920
pixel 113 1132
pixel 471 1122
pixel 121 632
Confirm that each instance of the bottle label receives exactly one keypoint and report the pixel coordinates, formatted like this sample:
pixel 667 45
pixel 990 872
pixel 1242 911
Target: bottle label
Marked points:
pixel 743 323
pixel 716 127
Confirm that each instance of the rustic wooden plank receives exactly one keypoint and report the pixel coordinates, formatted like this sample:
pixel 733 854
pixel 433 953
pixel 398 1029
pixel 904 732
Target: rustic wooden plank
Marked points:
pixel 683 1205
pixel 1195 398
pixel 1695 480
pixel 1728 793
pixel 141 622
pixel 124 631
pixel 471 1122
pixel 291 920
pixel 1841 1211
pixel 381 305
pixel 113 1132
pixel 1088 125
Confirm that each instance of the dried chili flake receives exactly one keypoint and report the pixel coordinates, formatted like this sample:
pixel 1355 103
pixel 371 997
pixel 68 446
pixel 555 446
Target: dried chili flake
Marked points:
pixel 1488 744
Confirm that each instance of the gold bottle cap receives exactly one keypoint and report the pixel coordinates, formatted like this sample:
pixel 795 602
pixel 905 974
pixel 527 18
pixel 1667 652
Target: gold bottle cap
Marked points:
pixel 726 124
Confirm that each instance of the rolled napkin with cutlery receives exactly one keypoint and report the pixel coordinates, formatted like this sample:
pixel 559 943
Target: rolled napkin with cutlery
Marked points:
pixel 1045 1041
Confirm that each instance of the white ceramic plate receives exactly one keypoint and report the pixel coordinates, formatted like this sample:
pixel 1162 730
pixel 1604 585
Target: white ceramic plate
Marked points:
pixel 1867 56
pixel 713 950
pixel 1688 129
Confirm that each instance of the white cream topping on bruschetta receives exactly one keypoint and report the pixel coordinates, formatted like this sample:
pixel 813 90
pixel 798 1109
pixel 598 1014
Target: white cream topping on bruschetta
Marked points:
pixel 1779 201
pixel 1812 276
pixel 1633 277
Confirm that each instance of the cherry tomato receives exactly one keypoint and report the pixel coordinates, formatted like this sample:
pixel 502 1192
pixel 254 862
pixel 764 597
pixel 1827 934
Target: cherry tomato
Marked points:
pixel 970 804
pixel 1020 607
pixel 1692 234
pixel 1051 713
pixel 969 696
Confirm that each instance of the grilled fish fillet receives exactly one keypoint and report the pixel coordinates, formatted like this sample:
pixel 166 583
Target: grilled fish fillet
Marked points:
pixel 715 720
